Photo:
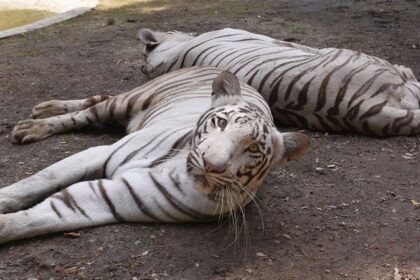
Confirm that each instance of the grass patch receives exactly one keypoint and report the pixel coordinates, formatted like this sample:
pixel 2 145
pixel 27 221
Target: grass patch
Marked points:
pixel 114 4
pixel 298 30
pixel 15 18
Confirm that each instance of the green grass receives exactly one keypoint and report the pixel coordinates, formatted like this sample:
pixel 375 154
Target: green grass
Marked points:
pixel 301 30
pixel 15 18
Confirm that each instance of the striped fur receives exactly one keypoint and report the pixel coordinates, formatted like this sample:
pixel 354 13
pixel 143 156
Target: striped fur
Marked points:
pixel 199 145
pixel 321 89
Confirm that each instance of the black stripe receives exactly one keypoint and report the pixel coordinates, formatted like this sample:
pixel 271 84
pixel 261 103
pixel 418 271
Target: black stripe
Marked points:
pixel 299 76
pixel 354 111
pixel 280 75
pixel 218 55
pixel 176 184
pixel 139 202
pixel 253 49
pixel 364 88
pixel 155 147
pixel 385 87
pixel 344 86
pixel 303 95
pixel 54 208
pixel 109 202
pixel 95 113
pixel 179 205
pixel 404 121
pixel 65 197
pixel 202 52
pixel 164 211
pixel 220 61
pixel 105 166
pixel 92 188
pixel 366 128
pixel 130 104
pixel 322 122
pixel 173 151
pixel 247 39
pixel 322 93
pixel 374 110
pixel 274 94
pixel 196 46
pixel 249 82
pixel 112 107
pixel 210 53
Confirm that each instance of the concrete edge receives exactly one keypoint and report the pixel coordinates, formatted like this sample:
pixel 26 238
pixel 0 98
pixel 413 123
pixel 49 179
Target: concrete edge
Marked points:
pixel 45 22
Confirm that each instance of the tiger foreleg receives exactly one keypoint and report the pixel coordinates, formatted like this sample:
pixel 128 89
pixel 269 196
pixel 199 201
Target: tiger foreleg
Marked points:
pixel 31 130
pixel 88 164
pixel 61 107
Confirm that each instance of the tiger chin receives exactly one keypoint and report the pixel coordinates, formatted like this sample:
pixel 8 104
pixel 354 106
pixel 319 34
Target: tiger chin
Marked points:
pixel 200 144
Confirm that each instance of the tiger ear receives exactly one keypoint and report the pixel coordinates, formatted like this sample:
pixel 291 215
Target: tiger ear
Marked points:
pixel 226 89
pixel 147 37
pixel 290 146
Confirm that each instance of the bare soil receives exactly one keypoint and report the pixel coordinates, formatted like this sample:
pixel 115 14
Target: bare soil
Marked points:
pixel 345 211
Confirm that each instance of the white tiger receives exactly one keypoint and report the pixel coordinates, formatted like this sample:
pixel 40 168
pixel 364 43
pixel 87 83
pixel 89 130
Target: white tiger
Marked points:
pixel 322 89
pixel 200 145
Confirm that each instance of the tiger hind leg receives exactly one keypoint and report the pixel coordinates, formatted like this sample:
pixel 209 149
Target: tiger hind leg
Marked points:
pixel 61 107
pixel 84 204
pixel 80 205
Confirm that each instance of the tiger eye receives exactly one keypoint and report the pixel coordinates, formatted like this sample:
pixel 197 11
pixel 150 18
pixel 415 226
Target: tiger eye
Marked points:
pixel 253 148
pixel 222 123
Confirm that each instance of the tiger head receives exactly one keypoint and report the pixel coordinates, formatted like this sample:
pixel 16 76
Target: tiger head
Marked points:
pixel 235 144
pixel 161 48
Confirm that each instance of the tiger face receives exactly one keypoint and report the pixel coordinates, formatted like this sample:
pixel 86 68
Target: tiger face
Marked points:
pixel 161 48
pixel 235 144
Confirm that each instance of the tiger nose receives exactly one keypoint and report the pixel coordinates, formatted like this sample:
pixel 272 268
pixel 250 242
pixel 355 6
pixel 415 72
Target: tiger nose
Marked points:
pixel 212 167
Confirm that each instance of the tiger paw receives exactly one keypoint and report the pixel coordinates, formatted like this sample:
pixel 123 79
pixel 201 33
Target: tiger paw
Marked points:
pixel 8 205
pixel 49 109
pixel 4 229
pixel 32 130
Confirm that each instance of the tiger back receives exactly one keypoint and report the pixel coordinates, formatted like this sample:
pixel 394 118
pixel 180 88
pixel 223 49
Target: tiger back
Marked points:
pixel 321 89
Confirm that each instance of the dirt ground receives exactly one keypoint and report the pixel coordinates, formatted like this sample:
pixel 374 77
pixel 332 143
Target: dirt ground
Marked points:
pixel 345 211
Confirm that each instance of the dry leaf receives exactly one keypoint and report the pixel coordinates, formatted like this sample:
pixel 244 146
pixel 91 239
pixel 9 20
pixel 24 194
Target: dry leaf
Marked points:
pixel 415 203
pixel 262 255
pixel 72 234
pixel 286 236
pixel 406 157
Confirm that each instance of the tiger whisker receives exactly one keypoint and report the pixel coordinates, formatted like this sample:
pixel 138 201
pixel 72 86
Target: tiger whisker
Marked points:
pixel 252 197
pixel 247 238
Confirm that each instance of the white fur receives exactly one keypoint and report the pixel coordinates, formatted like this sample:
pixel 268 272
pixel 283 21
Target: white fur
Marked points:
pixel 137 178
